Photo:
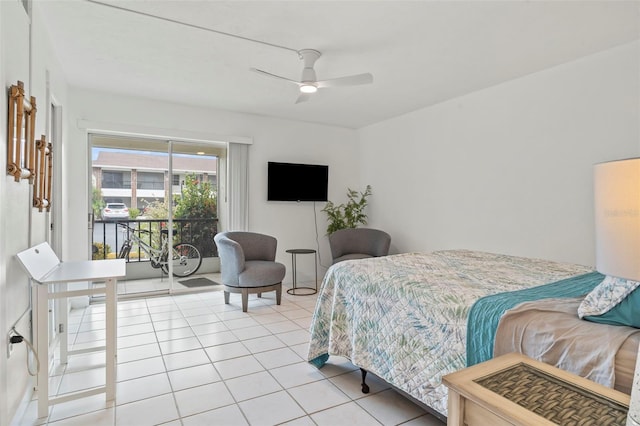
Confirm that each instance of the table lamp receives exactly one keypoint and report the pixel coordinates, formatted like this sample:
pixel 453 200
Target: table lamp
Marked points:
pixel 617 219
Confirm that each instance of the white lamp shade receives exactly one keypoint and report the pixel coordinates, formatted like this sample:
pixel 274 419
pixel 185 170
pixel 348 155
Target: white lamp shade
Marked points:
pixel 617 216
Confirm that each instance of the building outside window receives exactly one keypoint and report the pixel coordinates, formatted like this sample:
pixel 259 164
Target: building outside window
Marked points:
pixel 116 179
pixel 138 179
pixel 148 180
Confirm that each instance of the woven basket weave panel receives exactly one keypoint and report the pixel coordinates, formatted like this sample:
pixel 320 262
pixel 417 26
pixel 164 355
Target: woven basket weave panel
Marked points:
pixel 554 399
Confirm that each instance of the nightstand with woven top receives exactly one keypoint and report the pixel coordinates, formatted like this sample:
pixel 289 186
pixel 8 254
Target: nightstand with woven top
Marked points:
pixel 514 389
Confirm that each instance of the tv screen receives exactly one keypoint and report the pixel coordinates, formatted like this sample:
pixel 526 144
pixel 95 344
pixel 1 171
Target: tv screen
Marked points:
pixel 297 182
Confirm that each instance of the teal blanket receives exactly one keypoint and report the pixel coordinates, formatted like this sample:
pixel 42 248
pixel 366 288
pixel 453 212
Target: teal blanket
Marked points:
pixel 486 312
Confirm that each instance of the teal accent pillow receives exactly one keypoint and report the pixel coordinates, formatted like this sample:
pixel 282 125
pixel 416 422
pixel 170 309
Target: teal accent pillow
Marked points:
pixel 627 312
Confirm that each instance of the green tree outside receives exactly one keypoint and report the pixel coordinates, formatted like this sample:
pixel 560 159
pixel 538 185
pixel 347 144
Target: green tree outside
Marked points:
pixel 97 203
pixel 198 201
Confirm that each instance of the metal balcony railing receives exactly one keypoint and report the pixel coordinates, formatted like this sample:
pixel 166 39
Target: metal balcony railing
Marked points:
pixel 108 237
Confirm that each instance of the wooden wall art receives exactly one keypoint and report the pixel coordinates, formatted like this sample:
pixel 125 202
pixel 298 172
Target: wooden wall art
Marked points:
pixel 44 168
pixel 21 138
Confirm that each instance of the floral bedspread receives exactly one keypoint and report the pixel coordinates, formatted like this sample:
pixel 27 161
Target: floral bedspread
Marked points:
pixel 404 317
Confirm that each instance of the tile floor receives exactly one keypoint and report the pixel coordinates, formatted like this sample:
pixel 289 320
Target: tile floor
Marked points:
pixel 190 359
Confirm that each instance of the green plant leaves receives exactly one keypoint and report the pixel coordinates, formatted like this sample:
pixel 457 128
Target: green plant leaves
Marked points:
pixel 348 215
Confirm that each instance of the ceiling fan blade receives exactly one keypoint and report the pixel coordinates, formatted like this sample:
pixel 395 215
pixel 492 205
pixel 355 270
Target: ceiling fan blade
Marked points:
pixel 352 80
pixel 268 74
pixel 303 97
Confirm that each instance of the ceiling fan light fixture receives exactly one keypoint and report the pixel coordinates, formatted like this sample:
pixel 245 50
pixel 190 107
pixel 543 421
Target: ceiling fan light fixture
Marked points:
pixel 309 83
pixel 308 88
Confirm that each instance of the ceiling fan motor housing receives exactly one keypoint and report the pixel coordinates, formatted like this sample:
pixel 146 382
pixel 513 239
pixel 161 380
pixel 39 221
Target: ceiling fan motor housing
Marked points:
pixel 309 57
pixel 309 83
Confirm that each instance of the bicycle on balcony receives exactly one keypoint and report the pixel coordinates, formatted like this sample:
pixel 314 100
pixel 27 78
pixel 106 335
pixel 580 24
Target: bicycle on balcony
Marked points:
pixel 185 258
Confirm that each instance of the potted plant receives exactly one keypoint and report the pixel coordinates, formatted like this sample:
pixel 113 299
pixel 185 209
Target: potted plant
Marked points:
pixel 348 215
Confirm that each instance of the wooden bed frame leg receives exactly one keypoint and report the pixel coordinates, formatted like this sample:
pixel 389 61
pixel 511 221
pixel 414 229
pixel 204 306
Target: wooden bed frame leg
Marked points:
pixel 365 387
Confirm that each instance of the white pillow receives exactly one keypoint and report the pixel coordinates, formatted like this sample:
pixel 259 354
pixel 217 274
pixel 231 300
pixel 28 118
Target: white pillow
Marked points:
pixel 606 295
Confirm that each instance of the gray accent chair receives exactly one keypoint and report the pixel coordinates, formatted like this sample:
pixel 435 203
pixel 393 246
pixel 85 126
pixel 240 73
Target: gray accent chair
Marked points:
pixel 248 266
pixel 358 243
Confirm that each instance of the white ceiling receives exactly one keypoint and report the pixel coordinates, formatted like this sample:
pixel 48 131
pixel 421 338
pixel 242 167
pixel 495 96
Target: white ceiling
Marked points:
pixel 419 52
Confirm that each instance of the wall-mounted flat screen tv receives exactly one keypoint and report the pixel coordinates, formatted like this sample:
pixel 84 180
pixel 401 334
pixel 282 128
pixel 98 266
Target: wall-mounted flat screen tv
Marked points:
pixel 297 182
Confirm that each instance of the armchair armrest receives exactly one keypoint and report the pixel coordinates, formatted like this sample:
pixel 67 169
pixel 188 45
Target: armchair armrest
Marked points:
pixel 232 257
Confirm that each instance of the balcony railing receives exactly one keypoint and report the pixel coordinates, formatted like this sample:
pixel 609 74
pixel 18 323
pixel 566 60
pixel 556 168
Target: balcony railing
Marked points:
pixel 108 236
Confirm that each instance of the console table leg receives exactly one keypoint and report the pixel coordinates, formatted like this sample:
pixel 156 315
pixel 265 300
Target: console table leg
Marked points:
pixel 111 343
pixel 43 348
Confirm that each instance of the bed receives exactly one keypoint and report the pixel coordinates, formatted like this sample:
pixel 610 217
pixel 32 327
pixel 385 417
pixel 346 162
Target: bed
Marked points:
pixel 404 317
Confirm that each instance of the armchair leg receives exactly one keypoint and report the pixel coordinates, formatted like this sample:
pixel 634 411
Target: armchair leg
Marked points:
pixel 245 291
pixel 245 299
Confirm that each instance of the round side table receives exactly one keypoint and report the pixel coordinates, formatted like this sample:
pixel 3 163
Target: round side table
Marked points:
pixel 295 290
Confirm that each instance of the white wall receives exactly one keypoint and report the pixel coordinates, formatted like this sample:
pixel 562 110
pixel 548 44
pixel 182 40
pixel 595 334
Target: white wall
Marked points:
pixel 21 226
pixel 507 169
pixel 273 140
pixel 14 294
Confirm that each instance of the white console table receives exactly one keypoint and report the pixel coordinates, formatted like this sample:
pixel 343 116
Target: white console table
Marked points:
pixel 46 271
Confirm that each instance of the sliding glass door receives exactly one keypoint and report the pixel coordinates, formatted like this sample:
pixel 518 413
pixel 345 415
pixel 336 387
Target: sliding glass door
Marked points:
pixel 148 196
pixel 194 213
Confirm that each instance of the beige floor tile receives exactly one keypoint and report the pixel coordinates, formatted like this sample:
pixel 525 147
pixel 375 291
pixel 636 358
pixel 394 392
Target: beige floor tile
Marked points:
pixel 282 327
pixel 237 367
pixel 202 319
pixel 185 359
pixel 172 323
pixel 142 388
pixel 262 344
pixel 277 358
pixel 141 368
pixel 174 333
pixel 97 418
pixel 271 409
pixel 81 380
pixel 135 353
pixel 193 376
pixel 347 414
pixel 296 374
pixel 203 398
pixel 226 351
pixel 390 408
pixel 179 345
pixel 136 340
pixel 220 338
pixel 251 332
pixel 228 416
pixel 151 411
pixel 78 407
pixel 295 337
pixel 252 386
pixel 131 330
pixel 317 396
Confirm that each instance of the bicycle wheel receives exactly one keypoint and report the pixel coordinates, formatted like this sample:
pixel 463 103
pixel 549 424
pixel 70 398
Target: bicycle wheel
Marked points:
pixel 186 260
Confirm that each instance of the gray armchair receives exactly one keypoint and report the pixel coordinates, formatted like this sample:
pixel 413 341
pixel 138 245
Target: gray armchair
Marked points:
pixel 247 264
pixel 358 243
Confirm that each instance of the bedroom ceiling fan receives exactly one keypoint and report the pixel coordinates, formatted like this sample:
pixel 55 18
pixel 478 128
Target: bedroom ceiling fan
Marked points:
pixel 309 83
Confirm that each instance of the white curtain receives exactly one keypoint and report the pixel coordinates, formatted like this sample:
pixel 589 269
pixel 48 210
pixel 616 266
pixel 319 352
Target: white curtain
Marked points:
pixel 238 186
